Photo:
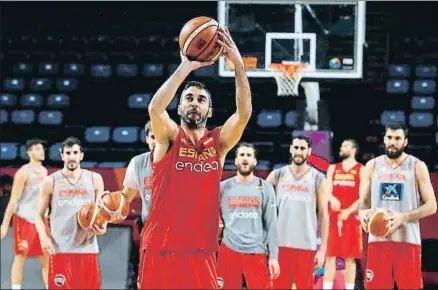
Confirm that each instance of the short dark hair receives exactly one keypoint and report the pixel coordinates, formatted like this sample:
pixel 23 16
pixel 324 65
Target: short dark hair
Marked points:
pixel 246 144
pixel 148 128
pixel 201 86
pixel 397 126
pixel 35 141
pixel 70 142
pixel 353 142
pixel 305 138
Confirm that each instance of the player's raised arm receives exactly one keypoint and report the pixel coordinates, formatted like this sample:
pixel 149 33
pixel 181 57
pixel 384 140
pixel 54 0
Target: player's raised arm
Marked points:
pixel 233 128
pixel 20 179
pixel 46 190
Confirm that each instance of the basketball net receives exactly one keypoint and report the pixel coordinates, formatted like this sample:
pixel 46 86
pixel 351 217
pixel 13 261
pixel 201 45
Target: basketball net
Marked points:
pixel 288 77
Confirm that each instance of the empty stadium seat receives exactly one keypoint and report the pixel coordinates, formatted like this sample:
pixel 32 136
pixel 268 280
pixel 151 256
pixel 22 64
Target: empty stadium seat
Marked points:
pixel 73 69
pixel 101 70
pixel 8 151
pixel 291 119
pixel 32 100
pixel 142 135
pixel 206 71
pixel 399 70
pixel 58 101
pixel 40 84
pixel 436 137
pixel 174 104
pixel 4 116
pixel 23 116
pixel 279 165
pixel 426 71
pixel 55 152
pixel 139 101
pixel 152 70
pixel 8 100
pixel 120 164
pixel 263 165
pixel 423 103
pixel 397 86
pixel 66 85
pixel 125 134
pixel 88 164
pixel 50 117
pixel 23 153
pixel 127 70
pixel 13 84
pixel 269 118
pixel 392 116
pixel 22 68
pixel 97 134
pixel 48 68
pixel 421 119
pixel 425 87
pixel 229 166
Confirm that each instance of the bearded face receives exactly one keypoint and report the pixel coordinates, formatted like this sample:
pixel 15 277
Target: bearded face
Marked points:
pixel 194 108
pixel 245 160
pixel 395 143
pixel 299 151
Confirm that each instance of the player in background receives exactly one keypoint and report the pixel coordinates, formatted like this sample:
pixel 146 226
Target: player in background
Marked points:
pixel 401 183
pixel 250 240
pixel 301 200
pixel 345 233
pixel 23 207
pixel 73 262
pixel 180 235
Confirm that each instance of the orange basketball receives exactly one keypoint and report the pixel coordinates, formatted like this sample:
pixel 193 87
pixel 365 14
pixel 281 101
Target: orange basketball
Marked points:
pixel 116 205
pixel 90 215
pixel 198 39
pixel 378 223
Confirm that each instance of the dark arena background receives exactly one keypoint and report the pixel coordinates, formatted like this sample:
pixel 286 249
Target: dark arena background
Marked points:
pixel 89 70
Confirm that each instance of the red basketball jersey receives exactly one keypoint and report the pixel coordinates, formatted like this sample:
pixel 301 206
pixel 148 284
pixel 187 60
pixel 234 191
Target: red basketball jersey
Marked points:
pixel 185 196
pixel 346 187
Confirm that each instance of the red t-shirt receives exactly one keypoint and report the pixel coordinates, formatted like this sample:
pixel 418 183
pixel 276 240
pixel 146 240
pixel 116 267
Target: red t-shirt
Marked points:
pixel 185 196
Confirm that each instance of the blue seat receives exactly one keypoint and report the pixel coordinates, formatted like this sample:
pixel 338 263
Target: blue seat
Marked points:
pixel 174 104
pixel 127 70
pixel 58 101
pixel 48 68
pixel 40 84
pixel 101 70
pixel 142 135
pixel 279 165
pixel 436 138
pixel 8 100
pixel 97 134
pixel 139 101
pixel 50 117
pixel 66 85
pixel 397 86
pixel 421 119
pixel 73 69
pixel 88 164
pixel 263 165
pixel 8 151
pixel 13 84
pixel 399 70
pixel 388 117
pixel 55 152
pixel 23 117
pixel 125 134
pixel 291 119
pixel 424 87
pixel 423 103
pixel 269 118
pixel 23 153
pixel 426 71
pixel 32 100
pixel 206 71
pixel 229 166
pixel 22 68
pixel 4 116
pixel 152 70
pixel 108 164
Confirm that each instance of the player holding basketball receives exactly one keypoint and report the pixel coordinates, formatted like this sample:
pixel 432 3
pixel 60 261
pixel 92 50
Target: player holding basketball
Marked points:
pixel 345 233
pixel 401 183
pixel 73 251
pixel 250 239
pixel 23 206
pixel 301 199
pixel 180 235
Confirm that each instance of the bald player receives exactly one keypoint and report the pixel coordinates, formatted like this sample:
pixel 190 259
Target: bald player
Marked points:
pixel 301 200
pixel 23 206
pixel 250 239
pixel 73 251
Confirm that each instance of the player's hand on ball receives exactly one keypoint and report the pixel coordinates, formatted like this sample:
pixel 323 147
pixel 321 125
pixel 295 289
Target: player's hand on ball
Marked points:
pixel 364 217
pixel 3 232
pixel 47 245
pixel 344 214
pixel 99 230
pixel 335 204
pixel 99 201
pixel 396 220
pixel 230 49
pixel 193 65
pixel 274 268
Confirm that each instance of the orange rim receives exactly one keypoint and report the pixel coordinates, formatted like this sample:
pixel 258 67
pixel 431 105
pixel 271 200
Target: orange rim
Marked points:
pixel 289 70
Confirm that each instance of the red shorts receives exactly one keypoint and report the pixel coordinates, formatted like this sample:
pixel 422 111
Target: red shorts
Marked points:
pixel 74 271
pixel 345 241
pixel 177 270
pixel 26 238
pixel 389 261
pixel 231 265
pixel 297 267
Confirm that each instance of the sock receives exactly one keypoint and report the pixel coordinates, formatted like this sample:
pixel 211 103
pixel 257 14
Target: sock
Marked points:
pixel 349 285
pixel 327 284
pixel 16 286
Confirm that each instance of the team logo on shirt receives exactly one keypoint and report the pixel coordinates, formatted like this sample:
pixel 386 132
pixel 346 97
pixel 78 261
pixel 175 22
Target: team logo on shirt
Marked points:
pixel 220 282
pixel 391 191
pixel 59 280
pixel 369 275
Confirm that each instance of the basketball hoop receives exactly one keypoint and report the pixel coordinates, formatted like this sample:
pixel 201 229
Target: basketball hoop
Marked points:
pixel 288 77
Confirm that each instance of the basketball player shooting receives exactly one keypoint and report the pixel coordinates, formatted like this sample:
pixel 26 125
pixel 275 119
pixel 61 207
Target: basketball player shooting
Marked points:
pixel 250 240
pixel 345 233
pixel 301 199
pixel 180 235
pixel 73 251
pixel 23 207
pixel 401 183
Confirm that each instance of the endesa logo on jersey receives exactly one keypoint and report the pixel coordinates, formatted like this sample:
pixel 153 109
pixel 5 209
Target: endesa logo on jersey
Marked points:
pixel 197 162
pixel 242 215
